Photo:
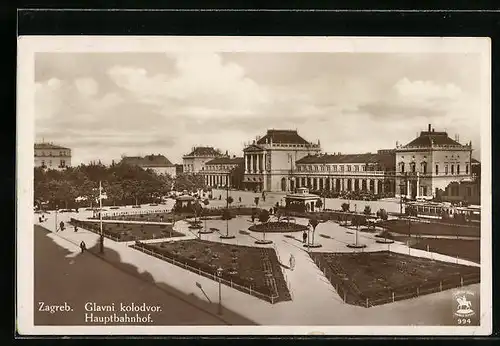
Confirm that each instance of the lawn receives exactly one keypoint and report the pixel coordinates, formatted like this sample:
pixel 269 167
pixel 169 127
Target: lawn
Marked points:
pixel 252 270
pixel 128 231
pixel 374 278
pixel 466 249
pixel 432 228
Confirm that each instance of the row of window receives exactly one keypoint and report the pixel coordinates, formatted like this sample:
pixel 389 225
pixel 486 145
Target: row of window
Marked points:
pixel 61 153
pixel 454 169
pixel 337 168
pixel 217 167
pixel 62 163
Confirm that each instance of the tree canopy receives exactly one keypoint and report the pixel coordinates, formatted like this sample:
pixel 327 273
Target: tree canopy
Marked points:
pixel 77 186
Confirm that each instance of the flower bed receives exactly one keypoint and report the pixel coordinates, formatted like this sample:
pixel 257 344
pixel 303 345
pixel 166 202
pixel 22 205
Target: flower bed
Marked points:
pixel 278 227
pixel 127 231
pixel 374 278
pixel 244 267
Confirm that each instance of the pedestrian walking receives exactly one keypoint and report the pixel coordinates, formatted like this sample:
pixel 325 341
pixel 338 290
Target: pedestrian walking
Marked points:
pixel 291 261
pixel 83 247
pixel 239 199
pixel 40 219
pixel 304 237
pixel 76 228
pixel 61 226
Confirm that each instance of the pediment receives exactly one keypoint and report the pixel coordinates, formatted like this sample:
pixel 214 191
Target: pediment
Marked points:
pixel 253 148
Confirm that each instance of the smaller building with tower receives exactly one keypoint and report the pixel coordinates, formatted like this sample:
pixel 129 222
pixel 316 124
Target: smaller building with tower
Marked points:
pixel 196 159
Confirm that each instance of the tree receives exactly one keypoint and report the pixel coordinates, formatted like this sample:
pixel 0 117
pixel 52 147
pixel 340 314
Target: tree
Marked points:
pixel 319 204
pixel 279 214
pixel 264 219
pixel 206 203
pixel 114 192
pixel 382 214
pixel 197 209
pixel 368 212
pixel 314 222
pixel 345 207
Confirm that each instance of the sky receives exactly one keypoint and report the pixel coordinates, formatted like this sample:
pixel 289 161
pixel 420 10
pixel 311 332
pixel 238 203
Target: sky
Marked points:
pixel 105 105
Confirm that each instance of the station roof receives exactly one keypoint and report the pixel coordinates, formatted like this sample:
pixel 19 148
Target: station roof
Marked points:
pixel 282 136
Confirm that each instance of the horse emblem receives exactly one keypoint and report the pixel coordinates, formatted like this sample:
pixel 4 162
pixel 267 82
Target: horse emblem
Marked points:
pixel 464 308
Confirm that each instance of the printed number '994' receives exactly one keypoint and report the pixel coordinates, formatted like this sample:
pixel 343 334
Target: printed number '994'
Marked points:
pixel 463 321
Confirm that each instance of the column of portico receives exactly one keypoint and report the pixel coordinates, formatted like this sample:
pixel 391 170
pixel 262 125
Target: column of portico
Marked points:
pixel 408 188
pixel 251 164
pixel 375 186
pixel 418 184
pixel 344 184
pixel 360 184
pixel 246 163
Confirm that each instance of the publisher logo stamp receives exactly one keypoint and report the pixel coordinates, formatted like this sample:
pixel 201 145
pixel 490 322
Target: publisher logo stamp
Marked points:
pixel 464 306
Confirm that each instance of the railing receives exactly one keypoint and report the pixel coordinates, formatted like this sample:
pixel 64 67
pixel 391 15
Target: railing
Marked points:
pixel 271 298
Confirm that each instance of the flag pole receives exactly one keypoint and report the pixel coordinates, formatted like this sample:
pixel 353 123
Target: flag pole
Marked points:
pixel 101 242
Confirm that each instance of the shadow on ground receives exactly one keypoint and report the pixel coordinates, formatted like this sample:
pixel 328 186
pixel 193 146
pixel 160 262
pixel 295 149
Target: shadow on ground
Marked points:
pixel 90 277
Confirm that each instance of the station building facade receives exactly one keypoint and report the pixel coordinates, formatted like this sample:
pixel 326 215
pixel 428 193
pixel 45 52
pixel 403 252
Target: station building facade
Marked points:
pixel 224 172
pixel 429 163
pixel 370 172
pixel 270 161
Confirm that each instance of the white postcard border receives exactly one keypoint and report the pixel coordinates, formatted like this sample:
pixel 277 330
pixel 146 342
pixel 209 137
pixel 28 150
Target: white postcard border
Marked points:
pixel 28 45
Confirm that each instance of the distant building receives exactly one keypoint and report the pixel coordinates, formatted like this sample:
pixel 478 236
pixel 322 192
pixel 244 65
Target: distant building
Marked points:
pixel 224 171
pixel 352 172
pixel 158 163
pixel 51 156
pixel 179 169
pixel 270 161
pixel 430 163
pixel 196 159
pixel 467 191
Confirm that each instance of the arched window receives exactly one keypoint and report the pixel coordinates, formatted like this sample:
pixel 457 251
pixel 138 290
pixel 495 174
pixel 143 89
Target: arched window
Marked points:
pixel 437 169
pixel 424 167
pixel 402 167
pixel 452 169
pixel 413 167
pixel 458 169
pixel 466 169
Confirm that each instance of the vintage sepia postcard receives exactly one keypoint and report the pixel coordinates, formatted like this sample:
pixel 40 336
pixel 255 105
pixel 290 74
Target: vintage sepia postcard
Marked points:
pixel 253 185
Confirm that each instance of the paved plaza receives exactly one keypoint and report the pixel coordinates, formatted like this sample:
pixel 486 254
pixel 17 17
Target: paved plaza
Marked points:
pixel 314 300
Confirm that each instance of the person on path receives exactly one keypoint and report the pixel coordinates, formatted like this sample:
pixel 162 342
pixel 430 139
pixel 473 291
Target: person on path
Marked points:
pixel 40 219
pixel 291 261
pixel 76 228
pixel 83 247
pixel 61 226
pixel 239 199
pixel 304 237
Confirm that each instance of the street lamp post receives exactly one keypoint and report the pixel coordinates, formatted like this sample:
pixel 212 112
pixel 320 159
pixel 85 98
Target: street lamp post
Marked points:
pixel 357 223
pixel 56 218
pixel 101 237
pixel 219 275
